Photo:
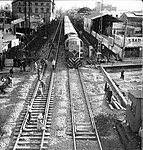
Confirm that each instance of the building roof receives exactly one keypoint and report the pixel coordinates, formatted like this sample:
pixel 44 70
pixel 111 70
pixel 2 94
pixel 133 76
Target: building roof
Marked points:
pixel 107 17
pixel 133 14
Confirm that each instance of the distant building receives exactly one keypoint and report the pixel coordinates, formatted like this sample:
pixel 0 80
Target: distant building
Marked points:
pixel 43 8
pixel 128 34
pixel 134 23
pixel 104 7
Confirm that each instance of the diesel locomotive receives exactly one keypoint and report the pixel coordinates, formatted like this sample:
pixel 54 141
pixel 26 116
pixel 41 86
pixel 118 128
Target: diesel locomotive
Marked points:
pixel 73 45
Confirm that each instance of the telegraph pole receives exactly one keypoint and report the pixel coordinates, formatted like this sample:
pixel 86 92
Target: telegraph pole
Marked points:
pixel 100 32
pixel 29 14
pixel 124 42
pixel 25 17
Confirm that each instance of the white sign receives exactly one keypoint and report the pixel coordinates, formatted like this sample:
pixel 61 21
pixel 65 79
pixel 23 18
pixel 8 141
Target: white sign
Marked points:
pixel 134 42
pixel 14 42
pixel 119 40
pixel 8 62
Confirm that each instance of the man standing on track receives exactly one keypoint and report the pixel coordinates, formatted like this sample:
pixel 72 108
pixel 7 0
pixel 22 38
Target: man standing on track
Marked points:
pixel 122 74
pixel 53 64
pixel 29 113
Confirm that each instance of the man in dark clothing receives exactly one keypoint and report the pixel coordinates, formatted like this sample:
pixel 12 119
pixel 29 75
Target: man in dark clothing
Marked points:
pixel 122 74
pixel 29 108
pixel 11 72
pixel 109 96
pixel 106 86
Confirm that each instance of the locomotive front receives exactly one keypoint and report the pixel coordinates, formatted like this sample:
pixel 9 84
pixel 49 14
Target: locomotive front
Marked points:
pixel 73 45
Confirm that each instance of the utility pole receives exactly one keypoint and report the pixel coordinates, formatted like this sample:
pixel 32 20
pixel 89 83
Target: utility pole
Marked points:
pixel 25 13
pixel 124 42
pixel 29 15
pixel 100 32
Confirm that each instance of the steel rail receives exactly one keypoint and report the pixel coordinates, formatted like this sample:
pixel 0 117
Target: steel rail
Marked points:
pixel 47 109
pixel 26 115
pixel 51 86
pixel 72 114
pixel 89 109
pixel 31 103
pixel 48 55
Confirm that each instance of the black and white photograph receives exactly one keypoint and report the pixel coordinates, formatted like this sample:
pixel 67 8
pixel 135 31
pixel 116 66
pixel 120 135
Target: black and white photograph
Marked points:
pixel 71 75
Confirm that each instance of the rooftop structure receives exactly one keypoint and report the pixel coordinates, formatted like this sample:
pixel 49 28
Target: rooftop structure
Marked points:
pixel 43 8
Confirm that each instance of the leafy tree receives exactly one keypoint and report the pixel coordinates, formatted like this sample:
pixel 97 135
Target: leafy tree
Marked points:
pixel 84 10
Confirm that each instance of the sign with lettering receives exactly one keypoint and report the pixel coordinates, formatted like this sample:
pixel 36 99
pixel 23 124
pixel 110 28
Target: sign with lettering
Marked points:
pixel 134 42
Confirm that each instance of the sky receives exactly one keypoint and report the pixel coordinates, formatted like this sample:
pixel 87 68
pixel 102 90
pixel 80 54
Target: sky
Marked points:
pixel 131 5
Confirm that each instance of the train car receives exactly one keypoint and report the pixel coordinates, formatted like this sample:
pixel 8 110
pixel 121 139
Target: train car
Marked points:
pixel 73 45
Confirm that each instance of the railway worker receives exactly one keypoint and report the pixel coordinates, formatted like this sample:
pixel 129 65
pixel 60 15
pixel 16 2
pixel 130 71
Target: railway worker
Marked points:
pixel 40 121
pixel 35 66
pixel 46 63
pixel 40 90
pixel 90 50
pixel 9 81
pixel 11 71
pixel 42 84
pixel 29 109
pixel 106 86
pixel 38 73
pixel 122 74
pixel 80 33
pixel 53 64
pixel 109 96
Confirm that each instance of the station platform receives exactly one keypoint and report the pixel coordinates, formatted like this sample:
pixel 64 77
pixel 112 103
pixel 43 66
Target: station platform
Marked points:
pixel 127 63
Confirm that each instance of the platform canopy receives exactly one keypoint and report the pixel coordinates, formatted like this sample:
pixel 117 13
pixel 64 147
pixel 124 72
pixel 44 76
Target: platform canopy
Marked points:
pixel 106 17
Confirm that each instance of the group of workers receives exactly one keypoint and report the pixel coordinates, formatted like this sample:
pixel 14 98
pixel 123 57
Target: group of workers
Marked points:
pixel 38 67
pixel 40 119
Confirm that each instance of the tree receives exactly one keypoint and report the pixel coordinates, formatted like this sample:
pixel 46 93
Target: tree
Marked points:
pixel 84 10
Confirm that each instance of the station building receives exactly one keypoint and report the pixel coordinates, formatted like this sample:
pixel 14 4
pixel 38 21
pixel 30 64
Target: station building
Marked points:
pixel 42 8
pixel 123 35
pixel 128 33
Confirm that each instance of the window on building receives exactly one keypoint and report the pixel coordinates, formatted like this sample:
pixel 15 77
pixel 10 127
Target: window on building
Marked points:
pixel 48 10
pixel 36 10
pixel 48 4
pixel 30 10
pixel 36 4
pixel 19 9
pixel 42 10
pixel 42 4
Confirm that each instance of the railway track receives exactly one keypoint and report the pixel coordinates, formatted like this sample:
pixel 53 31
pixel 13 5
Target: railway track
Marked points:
pixel 83 126
pixel 26 135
